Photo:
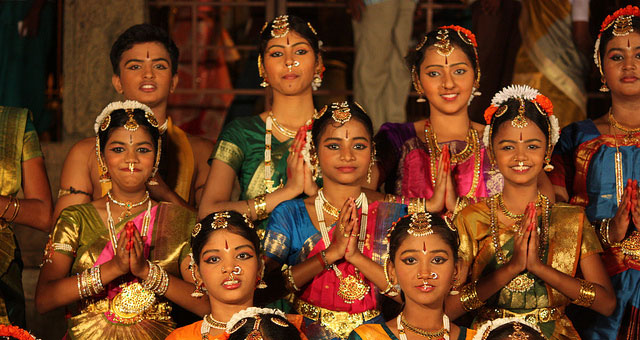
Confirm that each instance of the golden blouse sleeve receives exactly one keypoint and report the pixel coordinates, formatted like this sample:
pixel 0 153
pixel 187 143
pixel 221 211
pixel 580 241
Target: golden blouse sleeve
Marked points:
pixel 65 235
pixel 590 243
pixel 31 146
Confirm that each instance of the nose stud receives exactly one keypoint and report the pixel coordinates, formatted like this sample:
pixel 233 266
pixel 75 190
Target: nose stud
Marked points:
pixel 131 167
pixel 294 64
pixel 237 270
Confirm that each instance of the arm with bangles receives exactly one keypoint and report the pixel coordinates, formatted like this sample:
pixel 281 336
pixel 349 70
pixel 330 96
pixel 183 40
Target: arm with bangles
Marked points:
pixel 219 187
pixel 37 198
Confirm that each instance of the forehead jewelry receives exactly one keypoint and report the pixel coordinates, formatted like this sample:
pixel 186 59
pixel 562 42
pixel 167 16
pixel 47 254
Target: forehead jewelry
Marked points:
pixel 520 121
pixel 255 333
pixel 131 125
pixel 443 44
pixel 420 224
pixel 280 26
pixel 623 26
pixel 518 334
pixel 341 112
pixel 220 220
pixel 196 230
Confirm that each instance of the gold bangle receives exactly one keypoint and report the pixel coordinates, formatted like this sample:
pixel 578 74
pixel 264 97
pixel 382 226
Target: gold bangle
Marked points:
pixel 16 209
pixel 604 232
pixel 587 294
pixel 248 209
pixel 6 208
pixel 260 205
pixel 291 284
pixel 469 297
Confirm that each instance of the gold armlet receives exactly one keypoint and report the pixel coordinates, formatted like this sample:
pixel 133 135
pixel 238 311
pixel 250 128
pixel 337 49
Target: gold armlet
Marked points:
pixel 587 294
pixel 260 206
pixel 469 297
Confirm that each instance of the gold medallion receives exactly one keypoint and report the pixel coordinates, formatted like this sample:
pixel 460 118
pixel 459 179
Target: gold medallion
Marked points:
pixel 352 288
pixel 132 301
pixel 520 283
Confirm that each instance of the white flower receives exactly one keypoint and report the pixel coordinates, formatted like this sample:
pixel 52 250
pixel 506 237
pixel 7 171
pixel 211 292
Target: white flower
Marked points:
pixel 485 135
pixel 596 50
pixel 127 104
pixel 555 130
pixel 251 312
pixel 514 91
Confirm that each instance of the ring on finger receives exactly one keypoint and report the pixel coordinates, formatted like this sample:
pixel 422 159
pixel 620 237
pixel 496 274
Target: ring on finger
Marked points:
pixel 345 234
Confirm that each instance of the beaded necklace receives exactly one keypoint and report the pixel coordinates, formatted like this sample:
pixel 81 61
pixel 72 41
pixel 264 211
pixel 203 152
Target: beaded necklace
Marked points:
pixel 442 333
pixel 127 205
pixel 146 220
pixel 331 209
pixel 209 322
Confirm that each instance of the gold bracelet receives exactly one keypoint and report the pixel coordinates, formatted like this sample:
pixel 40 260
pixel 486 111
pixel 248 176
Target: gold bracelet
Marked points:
pixel 587 294
pixel 604 232
pixel 6 208
pixel 248 209
pixel 469 297
pixel 16 209
pixel 291 284
pixel 260 205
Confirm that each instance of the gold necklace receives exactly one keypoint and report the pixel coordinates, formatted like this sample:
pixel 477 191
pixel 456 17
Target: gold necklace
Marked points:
pixel 330 208
pixel 509 213
pixel 442 333
pixel 209 322
pixel 128 205
pixel 619 126
pixel 282 129
pixel 617 160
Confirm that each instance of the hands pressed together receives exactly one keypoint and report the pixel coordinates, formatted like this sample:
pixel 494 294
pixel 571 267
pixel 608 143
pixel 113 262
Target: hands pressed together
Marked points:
pixel 129 257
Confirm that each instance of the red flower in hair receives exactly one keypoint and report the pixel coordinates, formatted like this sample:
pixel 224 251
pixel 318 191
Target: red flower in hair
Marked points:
pixel 465 31
pixel 545 104
pixel 489 112
pixel 629 10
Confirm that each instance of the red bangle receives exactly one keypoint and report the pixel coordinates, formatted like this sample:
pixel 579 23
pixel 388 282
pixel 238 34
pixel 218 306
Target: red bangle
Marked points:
pixel 319 257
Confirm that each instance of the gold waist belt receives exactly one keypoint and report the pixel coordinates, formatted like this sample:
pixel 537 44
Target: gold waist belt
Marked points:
pixel 539 315
pixel 159 310
pixel 340 323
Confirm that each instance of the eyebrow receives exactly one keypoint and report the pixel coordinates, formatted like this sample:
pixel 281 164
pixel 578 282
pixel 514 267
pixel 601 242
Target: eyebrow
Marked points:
pixel 215 250
pixel 341 139
pixel 619 49
pixel 513 141
pixel 140 60
pixel 122 143
pixel 294 45
pixel 452 65
pixel 434 251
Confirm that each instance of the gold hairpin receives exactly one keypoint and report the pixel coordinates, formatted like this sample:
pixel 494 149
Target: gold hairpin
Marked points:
pixel 247 220
pixel 420 224
pixel 520 121
pixel 237 326
pixel 518 334
pixel 105 122
pixel 449 223
pixel 196 230
pixel 421 44
pixel 151 119
pixel 279 321
pixel 131 125
pixel 312 29
pixel 443 44
pixel 501 110
pixel 255 333
pixel 359 106
pixel 220 220
pixel 280 26
pixel 341 112
pixel 623 25
pixel 266 23
pixel 320 113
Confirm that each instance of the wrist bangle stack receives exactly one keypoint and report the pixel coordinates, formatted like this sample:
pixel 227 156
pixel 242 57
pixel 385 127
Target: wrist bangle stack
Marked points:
pixel 322 257
pixel 260 205
pixel 291 284
pixel 469 297
pixel 6 208
pixel 157 280
pixel 604 232
pixel 89 282
pixel 587 294
pixel 16 208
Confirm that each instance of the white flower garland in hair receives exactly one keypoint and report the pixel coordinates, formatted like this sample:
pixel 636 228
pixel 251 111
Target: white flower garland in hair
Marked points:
pixel 493 324
pixel 125 105
pixel 485 135
pixel 251 312
pixel 555 130
pixel 306 149
pixel 596 51
pixel 514 91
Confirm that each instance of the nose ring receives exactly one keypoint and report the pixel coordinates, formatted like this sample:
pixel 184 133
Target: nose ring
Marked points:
pixel 521 164
pixel 237 270
pixel 432 276
pixel 131 167
pixel 294 64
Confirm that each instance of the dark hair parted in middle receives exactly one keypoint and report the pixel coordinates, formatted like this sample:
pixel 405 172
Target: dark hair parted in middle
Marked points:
pixel 236 224
pixel 416 55
pixel 357 113
pixel 530 111
pixel 296 24
pixel 401 231
pixel 119 117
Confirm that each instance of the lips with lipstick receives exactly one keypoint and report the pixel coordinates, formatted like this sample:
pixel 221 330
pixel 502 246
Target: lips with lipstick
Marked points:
pixel 231 282
pixel 449 96
pixel 346 169
pixel 425 287
pixel 148 87
pixel 521 167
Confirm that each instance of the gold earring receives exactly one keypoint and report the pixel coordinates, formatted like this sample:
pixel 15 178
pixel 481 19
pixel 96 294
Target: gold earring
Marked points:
pixel 417 86
pixel 604 87
pixel 198 292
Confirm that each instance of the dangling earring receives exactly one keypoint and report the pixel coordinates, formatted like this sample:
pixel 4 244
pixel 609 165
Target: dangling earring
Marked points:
pixel 604 87
pixel 152 181
pixel 261 72
pixel 454 288
pixel 264 83
pixel 371 163
pixel 199 291
pixel 261 284
pixel 417 86
pixel 547 167
pixel 316 82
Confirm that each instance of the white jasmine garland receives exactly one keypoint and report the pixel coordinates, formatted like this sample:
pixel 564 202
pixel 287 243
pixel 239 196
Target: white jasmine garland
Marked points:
pixel 306 149
pixel 127 104
pixel 514 91
pixel 485 135
pixel 555 129
pixel 251 312
pixel 596 52
pixel 489 326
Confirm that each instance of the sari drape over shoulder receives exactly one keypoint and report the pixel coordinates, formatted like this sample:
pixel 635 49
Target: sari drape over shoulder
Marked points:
pixel 584 163
pixel 406 164
pixel 292 238
pixel 80 234
pixel 571 238
pixel 18 143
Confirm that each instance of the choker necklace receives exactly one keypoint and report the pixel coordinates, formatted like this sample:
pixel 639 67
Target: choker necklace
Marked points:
pixel 442 333
pixel 282 129
pixel 127 205
pixel 331 209
pixel 511 215
pixel 352 287
pixel 209 322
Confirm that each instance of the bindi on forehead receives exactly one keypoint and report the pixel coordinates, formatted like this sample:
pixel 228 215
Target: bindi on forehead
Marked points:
pixel 226 246
pixel 520 136
pixel 147 54
pixel 130 139
pixel 446 60
pixel 424 248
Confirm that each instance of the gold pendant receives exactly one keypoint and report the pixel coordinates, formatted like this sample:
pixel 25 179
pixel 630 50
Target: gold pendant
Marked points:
pixel 352 288
pixel 132 301
pixel 520 283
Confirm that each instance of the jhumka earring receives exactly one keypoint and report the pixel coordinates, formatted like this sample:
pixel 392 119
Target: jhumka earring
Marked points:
pixel 416 85
pixel 261 72
pixel 199 291
pixel 604 87
pixel 261 284
pixel 371 162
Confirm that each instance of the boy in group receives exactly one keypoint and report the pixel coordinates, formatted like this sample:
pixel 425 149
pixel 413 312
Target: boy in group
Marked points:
pixel 145 65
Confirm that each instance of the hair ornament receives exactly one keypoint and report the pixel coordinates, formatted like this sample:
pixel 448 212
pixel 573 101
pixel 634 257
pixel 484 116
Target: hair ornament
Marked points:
pixel 320 113
pixel 196 230
pixel 279 322
pixel 520 122
pixel 420 224
pixel 266 23
pixel 220 220
pixel 622 25
pixel 421 44
pixel 449 223
pixel 280 26
pixel 251 312
pixel 341 112
pixel 443 44
pixel 104 118
pixel 131 125
pixel 467 36
pixel 486 328
pixel 255 332
pixel 313 30
pixel 247 220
